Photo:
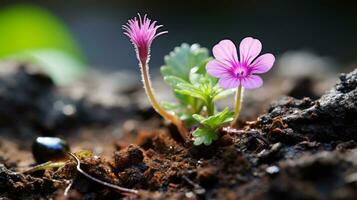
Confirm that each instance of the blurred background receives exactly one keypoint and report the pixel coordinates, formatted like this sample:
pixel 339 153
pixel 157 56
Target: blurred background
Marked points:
pixel 79 34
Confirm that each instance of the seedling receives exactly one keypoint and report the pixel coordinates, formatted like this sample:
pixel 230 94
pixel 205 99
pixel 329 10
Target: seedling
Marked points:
pixel 198 80
pixel 196 91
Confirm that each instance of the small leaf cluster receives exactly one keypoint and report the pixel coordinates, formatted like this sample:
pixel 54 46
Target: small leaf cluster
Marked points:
pixel 196 92
pixel 208 132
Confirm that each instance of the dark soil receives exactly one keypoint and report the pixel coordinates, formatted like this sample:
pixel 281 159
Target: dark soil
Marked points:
pixel 299 149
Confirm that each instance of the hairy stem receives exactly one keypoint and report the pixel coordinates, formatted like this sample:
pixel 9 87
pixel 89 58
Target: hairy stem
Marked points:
pixel 238 104
pixel 156 105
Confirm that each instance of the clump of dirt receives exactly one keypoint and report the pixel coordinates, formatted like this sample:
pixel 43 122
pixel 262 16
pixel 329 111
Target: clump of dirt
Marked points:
pixel 16 185
pixel 299 149
pixel 332 117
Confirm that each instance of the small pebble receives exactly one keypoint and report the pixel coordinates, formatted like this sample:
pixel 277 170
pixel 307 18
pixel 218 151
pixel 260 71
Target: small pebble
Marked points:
pixel 200 191
pixel 272 170
pixel 265 153
pixel 49 149
pixel 190 195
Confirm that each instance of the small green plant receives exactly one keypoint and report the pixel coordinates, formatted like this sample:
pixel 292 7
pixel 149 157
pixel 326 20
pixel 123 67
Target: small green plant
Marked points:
pixel 196 91
pixel 207 132
pixel 198 80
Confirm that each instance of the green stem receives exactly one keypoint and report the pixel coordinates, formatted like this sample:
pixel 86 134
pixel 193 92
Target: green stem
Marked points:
pixel 238 104
pixel 194 105
pixel 210 108
pixel 46 165
pixel 156 105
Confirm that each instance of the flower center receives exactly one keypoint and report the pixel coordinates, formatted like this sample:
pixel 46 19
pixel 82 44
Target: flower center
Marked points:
pixel 241 71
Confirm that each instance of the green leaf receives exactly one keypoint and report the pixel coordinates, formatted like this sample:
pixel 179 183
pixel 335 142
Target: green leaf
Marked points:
pixel 176 70
pixel 199 118
pixel 176 108
pixel 204 136
pixel 217 120
pixel 208 132
pixel 223 93
pixel 171 106
pixel 180 61
pixel 180 111
pixel 173 81
pixel 190 90
pixel 194 77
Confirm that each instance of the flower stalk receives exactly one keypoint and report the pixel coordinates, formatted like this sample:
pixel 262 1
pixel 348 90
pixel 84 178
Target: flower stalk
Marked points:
pixel 156 105
pixel 238 104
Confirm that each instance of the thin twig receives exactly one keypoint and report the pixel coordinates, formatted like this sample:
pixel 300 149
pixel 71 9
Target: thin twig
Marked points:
pixel 112 186
pixel 68 187
pixel 197 187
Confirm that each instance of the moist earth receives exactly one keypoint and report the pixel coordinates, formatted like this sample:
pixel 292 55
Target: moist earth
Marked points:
pixel 298 149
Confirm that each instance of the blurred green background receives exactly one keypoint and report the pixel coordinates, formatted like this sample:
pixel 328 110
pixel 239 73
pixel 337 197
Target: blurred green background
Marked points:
pixel 31 33
pixel 66 37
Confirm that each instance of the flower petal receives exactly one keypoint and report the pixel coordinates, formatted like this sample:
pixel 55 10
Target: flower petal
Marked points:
pixel 263 63
pixel 225 51
pixel 217 69
pixel 228 82
pixel 252 81
pixel 249 49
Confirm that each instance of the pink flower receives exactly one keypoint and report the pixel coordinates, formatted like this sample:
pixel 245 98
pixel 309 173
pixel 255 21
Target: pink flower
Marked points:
pixel 233 72
pixel 141 33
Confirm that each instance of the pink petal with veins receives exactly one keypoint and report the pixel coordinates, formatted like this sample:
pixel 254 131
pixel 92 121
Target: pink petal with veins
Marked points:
pixel 252 81
pixel 217 69
pixel 249 49
pixel 263 63
pixel 228 82
pixel 225 51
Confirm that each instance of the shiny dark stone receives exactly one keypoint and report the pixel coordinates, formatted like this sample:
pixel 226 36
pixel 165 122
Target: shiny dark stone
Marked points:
pixel 49 149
